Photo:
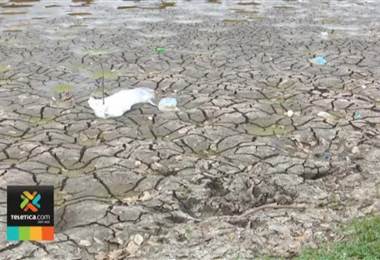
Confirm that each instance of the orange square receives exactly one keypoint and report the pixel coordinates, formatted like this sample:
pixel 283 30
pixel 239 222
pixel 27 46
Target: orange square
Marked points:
pixel 47 233
pixel 35 233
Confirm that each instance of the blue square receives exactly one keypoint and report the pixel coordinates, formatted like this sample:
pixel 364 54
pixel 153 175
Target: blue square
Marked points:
pixel 12 233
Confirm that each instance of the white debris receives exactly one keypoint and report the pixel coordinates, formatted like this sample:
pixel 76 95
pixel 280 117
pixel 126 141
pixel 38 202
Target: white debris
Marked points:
pixel 137 163
pixel 85 243
pixel 355 150
pixel 138 239
pixel 119 103
pixel 328 117
pixel 290 113
pixel 324 115
pixel 168 104
pixel 324 35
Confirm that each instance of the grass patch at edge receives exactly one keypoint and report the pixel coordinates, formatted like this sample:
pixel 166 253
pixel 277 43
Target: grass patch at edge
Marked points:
pixel 361 241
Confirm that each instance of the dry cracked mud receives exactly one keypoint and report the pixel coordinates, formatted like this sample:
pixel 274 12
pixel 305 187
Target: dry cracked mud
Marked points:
pixel 267 153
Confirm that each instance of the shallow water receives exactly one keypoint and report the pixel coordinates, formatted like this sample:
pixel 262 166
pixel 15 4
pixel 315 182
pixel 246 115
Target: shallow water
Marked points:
pixel 16 15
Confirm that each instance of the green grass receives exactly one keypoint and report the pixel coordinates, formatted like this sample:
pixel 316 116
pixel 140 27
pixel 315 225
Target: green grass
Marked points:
pixel 361 241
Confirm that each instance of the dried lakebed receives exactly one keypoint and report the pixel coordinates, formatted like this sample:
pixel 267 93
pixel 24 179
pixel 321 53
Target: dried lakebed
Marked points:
pixel 267 153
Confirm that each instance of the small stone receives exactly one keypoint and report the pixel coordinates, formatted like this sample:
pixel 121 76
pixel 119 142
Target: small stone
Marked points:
pixel 137 163
pixel 145 196
pixel 97 240
pixel 364 86
pixel 290 113
pixel 138 239
pixel 324 114
pixel 131 248
pixel 183 130
pixel 355 150
pixel 101 256
pixel 85 243
pixel 115 254
pixel 327 116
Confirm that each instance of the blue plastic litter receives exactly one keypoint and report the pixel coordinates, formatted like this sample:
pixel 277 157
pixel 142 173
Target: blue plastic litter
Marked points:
pixel 166 104
pixel 319 60
pixel 357 115
pixel 327 156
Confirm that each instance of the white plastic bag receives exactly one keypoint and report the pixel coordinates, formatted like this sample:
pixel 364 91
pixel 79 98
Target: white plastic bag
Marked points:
pixel 119 103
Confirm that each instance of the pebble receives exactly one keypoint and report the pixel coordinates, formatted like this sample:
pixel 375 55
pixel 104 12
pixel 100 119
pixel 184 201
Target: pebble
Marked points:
pixel 324 114
pixel 355 149
pixel 137 163
pixel 138 239
pixel 85 243
pixel 132 247
pixel 290 113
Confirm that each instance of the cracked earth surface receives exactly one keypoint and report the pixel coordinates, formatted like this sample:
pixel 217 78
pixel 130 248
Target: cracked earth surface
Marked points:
pixel 232 174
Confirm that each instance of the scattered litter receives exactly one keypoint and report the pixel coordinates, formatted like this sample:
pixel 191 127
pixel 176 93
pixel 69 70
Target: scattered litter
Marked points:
pixel 324 35
pixel 168 104
pixel 320 60
pixel 290 113
pixel 119 103
pixel 357 115
pixel 327 156
pixel 364 86
pixel 160 50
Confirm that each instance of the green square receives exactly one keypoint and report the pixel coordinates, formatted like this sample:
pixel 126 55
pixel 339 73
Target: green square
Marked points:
pixel 24 233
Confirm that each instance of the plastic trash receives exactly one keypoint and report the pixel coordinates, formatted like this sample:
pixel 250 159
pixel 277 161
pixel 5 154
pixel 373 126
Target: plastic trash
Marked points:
pixel 324 35
pixel 319 60
pixel 119 103
pixel 327 156
pixel 290 113
pixel 357 115
pixel 167 104
pixel 160 50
